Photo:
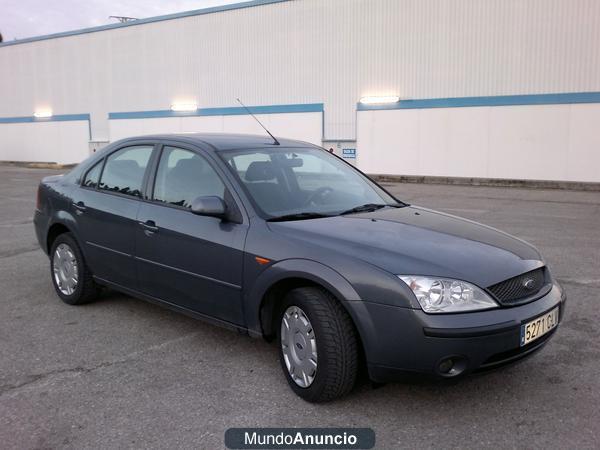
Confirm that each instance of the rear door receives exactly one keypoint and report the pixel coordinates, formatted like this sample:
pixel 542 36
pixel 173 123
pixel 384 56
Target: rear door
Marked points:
pixel 106 206
pixel 192 261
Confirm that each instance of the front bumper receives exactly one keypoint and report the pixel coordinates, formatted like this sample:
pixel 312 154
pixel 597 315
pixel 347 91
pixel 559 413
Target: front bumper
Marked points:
pixel 403 340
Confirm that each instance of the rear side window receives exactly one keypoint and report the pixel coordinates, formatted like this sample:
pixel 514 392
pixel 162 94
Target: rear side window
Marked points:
pixel 124 170
pixel 93 175
pixel 183 176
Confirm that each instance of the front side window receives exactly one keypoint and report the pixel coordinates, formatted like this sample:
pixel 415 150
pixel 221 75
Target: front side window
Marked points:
pixel 285 182
pixel 183 176
pixel 124 170
pixel 93 175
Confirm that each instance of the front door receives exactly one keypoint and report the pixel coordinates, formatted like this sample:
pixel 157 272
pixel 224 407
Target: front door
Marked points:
pixel 192 261
pixel 106 206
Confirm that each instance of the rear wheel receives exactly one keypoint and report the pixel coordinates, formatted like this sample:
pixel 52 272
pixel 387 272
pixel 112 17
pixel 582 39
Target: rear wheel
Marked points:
pixel 318 345
pixel 71 277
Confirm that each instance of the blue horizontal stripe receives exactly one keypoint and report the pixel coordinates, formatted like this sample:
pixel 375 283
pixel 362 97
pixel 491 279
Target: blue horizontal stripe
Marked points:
pixel 57 118
pixel 231 111
pixel 500 100
pixel 196 12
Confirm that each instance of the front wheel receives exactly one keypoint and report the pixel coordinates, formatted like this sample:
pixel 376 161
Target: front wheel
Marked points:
pixel 318 346
pixel 71 277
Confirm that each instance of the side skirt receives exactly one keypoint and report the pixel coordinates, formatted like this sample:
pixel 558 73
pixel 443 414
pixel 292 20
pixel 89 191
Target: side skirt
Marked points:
pixel 174 307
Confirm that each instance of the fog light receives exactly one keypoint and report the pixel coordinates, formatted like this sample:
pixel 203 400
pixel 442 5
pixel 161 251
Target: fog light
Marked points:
pixel 452 366
pixel 446 365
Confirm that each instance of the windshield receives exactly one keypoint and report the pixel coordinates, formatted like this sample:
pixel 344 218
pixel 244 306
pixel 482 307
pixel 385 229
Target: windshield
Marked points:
pixel 302 181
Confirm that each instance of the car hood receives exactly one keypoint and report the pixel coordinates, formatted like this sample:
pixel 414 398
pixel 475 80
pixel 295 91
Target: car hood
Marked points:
pixel 419 241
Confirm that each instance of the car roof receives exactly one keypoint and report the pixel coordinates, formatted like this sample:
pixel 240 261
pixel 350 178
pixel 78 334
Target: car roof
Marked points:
pixel 226 141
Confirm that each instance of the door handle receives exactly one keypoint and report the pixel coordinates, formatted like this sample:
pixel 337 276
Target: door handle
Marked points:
pixel 79 207
pixel 149 226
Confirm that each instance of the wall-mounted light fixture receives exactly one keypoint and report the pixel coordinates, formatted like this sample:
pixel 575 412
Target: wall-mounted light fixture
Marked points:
pixel 380 100
pixel 42 113
pixel 184 106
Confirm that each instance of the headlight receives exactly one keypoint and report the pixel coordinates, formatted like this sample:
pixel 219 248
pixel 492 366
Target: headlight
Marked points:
pixel 443 295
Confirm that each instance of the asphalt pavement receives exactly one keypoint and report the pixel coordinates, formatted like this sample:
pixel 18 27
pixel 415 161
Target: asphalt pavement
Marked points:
pixel 122 373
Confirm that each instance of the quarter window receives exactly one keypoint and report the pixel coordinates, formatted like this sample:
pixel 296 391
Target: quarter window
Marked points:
pixel 92 176
pixel 183 176
pixel 124 170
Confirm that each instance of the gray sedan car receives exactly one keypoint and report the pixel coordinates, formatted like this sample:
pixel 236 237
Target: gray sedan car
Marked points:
pixel 285 241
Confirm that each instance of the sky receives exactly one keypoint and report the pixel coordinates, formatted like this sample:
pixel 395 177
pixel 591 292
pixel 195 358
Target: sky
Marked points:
pixel 25 18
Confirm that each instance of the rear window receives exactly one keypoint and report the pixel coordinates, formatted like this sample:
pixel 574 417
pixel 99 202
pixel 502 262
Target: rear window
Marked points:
pixel 124 170
pixel 93 175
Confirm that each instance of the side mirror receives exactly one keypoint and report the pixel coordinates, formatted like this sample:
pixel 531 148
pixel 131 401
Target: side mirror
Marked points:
pixel 211 206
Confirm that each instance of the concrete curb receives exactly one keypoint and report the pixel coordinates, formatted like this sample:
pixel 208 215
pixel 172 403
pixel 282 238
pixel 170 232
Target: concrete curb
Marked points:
pixel 492 182
pixel 37 165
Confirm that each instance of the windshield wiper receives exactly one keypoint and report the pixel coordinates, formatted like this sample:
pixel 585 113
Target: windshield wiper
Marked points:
pixel 298 216
pixel 369 207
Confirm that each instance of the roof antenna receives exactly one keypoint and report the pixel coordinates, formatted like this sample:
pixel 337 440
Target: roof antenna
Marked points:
pixel 276 142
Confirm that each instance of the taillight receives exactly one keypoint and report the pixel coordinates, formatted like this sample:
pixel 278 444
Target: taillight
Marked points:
pixel 38 203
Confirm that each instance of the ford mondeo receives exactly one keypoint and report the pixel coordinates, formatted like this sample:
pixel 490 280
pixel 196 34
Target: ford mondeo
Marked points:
pixel 282 240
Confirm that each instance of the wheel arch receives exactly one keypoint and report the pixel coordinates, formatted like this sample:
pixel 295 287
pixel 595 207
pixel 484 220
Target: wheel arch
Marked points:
pixel 273 296
pixel 55 230
pixel 61 221
pixel 284 276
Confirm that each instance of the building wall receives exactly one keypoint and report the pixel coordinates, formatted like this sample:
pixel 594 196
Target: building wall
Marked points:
pixel 538 142
pixel 62 142
pixel 305 126
pixel 310 51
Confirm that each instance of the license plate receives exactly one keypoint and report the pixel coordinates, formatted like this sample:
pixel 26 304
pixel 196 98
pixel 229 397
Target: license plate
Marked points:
pixel 536 328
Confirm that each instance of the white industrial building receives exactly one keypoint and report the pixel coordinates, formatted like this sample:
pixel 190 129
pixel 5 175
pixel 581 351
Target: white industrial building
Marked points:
pixel 475 88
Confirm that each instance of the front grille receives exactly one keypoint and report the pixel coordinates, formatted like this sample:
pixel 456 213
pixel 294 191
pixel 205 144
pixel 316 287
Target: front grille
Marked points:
pixel 516 289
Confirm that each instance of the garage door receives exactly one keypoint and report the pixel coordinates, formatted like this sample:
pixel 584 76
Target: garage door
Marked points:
pixel 62 140
pixel 535 142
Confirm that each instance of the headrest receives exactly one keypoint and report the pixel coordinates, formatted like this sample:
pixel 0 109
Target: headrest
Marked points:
pixel 260 171
pixel 188 167
pixel 125 165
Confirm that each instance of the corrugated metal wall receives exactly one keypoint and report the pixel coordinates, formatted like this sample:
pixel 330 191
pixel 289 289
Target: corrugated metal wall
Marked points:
pixel 311 51
pixel 527 142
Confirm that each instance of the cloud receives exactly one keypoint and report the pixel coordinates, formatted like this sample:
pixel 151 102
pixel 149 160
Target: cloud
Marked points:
pixel 25 18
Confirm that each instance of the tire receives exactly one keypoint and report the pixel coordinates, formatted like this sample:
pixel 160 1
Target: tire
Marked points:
pixel 331 331
pixel 84 290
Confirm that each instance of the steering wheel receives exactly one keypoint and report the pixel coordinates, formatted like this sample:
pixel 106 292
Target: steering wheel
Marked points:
pixel 317 194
